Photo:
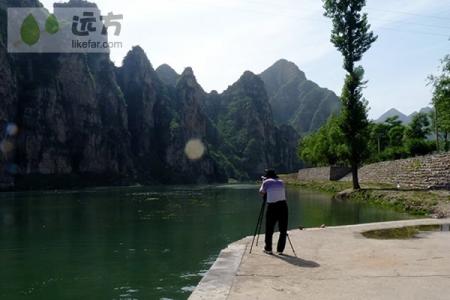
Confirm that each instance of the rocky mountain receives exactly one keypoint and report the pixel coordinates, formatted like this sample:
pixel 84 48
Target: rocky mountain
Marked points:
pixel 392 113
pixel 244 117
pixel 146 99
pixel 163 118
pixel 167 75
pixel 76 119
pixel 297 101
pixel 425 110
pixel 8 108
pixel 71 115
pixel 406 119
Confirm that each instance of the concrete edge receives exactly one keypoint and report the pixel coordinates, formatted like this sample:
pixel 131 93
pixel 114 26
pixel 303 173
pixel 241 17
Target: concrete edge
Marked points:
pixel 217 282
pixel 385 225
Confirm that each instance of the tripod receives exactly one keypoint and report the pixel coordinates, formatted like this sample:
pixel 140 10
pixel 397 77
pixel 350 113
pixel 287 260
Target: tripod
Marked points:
pixel 259 225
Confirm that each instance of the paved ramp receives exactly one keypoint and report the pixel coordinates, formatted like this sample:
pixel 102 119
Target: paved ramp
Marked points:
pixel 336 263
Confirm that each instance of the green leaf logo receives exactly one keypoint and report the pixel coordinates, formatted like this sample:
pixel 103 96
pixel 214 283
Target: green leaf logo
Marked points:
pixel 51 25
pixel 30 32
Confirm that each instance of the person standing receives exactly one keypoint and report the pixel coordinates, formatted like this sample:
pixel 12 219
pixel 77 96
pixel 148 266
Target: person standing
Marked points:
pixel 273 191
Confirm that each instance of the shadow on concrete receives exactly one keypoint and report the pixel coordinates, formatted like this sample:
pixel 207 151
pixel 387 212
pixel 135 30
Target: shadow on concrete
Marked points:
pixel 297 261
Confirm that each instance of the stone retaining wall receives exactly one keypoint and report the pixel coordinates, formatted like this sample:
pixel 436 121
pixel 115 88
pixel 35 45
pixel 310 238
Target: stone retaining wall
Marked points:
pixel 424 172
pixel 313 174
pixel 333 173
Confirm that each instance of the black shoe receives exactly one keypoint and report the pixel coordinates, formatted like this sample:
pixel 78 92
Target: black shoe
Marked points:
pixel 268 252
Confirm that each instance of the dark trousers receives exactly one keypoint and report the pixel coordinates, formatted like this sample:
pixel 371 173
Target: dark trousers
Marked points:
pixel 276 212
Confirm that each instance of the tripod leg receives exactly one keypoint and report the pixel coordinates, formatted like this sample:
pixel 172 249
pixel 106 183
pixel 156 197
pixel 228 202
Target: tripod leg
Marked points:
pixel 258 224
pixel 290 243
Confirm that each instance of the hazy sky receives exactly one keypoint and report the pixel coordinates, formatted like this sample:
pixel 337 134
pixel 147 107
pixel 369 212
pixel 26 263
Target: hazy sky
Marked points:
pixel 220 39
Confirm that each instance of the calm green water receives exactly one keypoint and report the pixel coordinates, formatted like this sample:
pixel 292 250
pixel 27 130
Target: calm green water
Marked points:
pixel 138 243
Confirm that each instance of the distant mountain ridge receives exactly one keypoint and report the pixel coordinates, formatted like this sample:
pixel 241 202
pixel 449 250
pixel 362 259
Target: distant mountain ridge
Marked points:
pixel 406 119
pixel 297 101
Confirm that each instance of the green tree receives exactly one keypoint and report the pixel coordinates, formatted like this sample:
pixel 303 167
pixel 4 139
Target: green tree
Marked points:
pixel 419 128
pixel 441 102
pixel 416 134
pixel 325 146
pixel 380 138
pixel 393 121
pixel 351 35
pixel 396 135
pixel 376 136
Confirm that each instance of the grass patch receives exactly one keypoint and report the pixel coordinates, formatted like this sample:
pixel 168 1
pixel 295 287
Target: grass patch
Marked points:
pixel 321 186
pixel 415 202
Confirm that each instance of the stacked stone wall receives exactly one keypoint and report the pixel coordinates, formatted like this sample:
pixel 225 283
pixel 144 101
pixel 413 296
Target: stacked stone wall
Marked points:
pixel 424 172
pixel 314 174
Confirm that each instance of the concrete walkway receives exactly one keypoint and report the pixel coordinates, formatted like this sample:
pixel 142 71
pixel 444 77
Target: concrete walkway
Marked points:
pixel 335 263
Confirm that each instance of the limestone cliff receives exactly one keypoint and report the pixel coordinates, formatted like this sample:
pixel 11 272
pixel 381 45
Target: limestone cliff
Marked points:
pixel 75 119
pixel 297 101
pixel 167 75
pixel 163 118
pixel 147 121
pixel 8 112
pixel 244 117
pixel 71 118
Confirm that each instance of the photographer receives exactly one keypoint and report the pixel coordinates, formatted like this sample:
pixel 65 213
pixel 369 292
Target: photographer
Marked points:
pixel 274 193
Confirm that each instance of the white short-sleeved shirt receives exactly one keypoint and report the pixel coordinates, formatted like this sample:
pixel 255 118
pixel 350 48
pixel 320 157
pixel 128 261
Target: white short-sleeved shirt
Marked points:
pixel 274 189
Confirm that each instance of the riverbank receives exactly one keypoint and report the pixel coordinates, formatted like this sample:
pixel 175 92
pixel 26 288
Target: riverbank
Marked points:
pixel 433 203
pixel 335 263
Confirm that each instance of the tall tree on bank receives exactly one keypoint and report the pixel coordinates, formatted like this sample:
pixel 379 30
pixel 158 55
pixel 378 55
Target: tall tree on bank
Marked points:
pixel 441 102
pixel 351 35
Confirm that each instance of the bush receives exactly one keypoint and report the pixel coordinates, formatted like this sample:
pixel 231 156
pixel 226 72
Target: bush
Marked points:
pixel 416 147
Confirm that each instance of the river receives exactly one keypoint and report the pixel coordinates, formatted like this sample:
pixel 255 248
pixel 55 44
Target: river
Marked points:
pixel 139 242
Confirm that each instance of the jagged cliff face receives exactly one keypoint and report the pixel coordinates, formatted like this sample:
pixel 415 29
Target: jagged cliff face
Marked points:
pixel 147 120
pixel 8 86
pixel 163 118
pixel 189 122
pixel 70 113
pixel 244 117
pixel 167 75
pixel 297 101
pixel 286 157
pixel 83 121
pixel 72 116
pixel 8 111
pixel 247 123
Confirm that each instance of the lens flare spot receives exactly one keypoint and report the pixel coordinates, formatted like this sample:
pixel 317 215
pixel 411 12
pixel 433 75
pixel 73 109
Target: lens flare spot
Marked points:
pixel 12 129
pixel 194 149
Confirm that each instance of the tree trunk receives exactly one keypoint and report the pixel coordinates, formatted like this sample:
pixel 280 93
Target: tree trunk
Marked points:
pixel 446 141
pixel 436 128
pixel 379 145
pixel 356 185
